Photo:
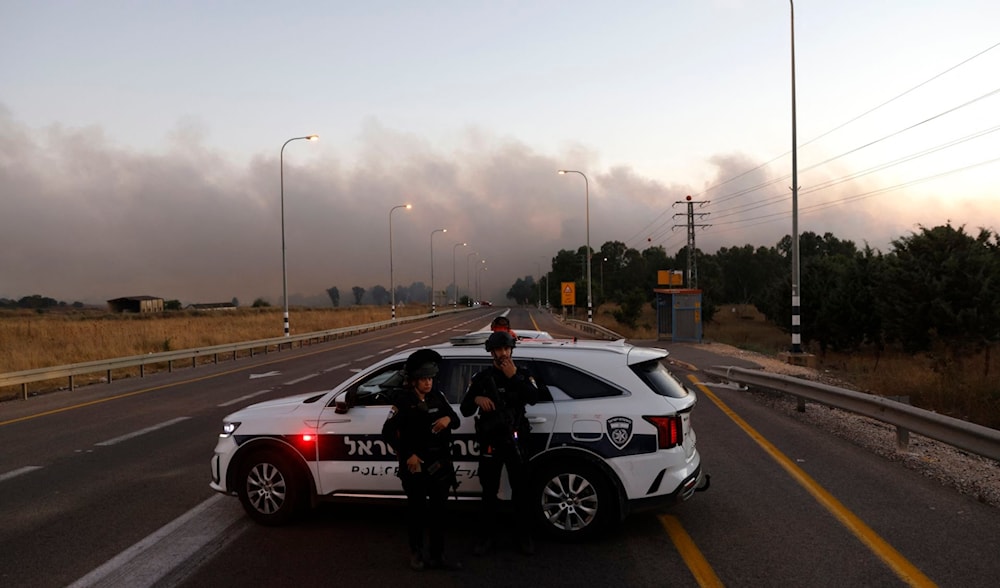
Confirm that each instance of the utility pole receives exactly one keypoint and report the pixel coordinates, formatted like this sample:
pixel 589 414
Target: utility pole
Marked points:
pixel 796 275
pixel 692 262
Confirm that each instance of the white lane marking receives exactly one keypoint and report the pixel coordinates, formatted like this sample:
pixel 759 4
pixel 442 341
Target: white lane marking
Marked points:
pixel 152 558
pixel 302 379
pixel 18 472
pixel 242 398
pixel 267 375
pixel 364 358
pixel 140 432
pixel 336 367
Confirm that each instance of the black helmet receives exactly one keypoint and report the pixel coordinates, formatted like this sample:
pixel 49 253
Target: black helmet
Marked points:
pixel 499 339
pixel 427 370
pixel 422 363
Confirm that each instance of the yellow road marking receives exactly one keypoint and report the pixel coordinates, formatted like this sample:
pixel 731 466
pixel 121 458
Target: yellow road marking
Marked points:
pixel 696 562
pixel 906 571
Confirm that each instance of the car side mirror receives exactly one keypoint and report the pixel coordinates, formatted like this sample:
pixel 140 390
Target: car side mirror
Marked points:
pixel 345 402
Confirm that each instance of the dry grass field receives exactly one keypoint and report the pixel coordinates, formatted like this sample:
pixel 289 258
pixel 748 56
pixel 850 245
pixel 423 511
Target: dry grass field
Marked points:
pixel 31 340
pixel 964 387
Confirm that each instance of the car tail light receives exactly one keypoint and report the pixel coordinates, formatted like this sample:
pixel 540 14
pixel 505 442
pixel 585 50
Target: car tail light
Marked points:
pixel 669 430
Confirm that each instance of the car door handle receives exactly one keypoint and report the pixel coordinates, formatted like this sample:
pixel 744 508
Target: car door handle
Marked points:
pixel 334 421
pixel 536 420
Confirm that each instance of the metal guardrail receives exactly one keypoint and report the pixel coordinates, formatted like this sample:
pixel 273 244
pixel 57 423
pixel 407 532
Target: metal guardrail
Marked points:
pixel 25 377
pixel 971 437
pixel 593 329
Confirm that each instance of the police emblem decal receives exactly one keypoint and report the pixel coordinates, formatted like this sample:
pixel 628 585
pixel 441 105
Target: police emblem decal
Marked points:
pixel 619 431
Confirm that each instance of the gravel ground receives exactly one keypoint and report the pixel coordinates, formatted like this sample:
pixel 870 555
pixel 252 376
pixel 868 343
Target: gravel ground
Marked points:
pixel 970 474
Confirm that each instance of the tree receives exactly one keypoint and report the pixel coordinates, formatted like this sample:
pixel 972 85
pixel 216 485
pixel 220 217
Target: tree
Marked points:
pixel 942 284
pixel 416 292
pixel 523 291
pixel 260 303
pixel 334 294
pixel 171 305
pixel 746 272
pixel 631 308
pixel 380 295
pixel 358 293
pixel 235 301
pixel 37 301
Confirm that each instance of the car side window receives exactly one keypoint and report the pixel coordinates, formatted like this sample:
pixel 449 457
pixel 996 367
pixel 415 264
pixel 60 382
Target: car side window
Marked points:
pixel 379 388
pixel 574 383
pixel 456 376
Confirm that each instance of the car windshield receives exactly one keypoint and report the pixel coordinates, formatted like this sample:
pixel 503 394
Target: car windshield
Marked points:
pixel 657 377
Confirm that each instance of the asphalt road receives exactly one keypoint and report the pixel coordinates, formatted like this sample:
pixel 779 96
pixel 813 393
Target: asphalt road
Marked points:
pixel 108 486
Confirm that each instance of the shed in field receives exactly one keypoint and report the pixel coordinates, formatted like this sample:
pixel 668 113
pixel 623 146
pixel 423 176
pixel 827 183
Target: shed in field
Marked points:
pixel 136 304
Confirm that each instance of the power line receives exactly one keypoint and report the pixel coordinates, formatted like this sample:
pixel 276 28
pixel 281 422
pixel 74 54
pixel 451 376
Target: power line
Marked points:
pixel 656 220
pixel 768 218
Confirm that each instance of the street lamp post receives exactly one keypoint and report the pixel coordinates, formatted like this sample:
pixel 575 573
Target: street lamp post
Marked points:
pixel 433 306
pixel 539 266
pixel 602 277
pixel 796 277
pixel 590 297
pixel 284 273
pixel 392 285
pixel 454 283
pixel 479 281
pixel 468 272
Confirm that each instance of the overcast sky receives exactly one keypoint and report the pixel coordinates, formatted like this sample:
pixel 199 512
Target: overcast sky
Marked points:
pixel 140 141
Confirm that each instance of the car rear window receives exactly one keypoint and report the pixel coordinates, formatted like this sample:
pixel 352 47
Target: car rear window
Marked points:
pixel 657 377
pixel 572 382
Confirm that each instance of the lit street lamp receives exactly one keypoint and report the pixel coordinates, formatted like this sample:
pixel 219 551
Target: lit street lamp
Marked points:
pixel 454 283
pixel 392 285
pixel 284 273
pixel 479 281
pixel 602 277
pixel 433 307
pixel 590 298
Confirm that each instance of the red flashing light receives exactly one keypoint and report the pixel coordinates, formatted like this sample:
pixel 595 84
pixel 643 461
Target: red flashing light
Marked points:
pixel 307 438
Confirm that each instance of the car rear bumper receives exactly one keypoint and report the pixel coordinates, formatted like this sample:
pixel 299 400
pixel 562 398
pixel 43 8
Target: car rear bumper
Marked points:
pixel 696 482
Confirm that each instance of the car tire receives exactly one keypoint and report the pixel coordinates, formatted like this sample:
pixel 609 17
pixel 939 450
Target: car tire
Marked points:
pixel 271 488
pixel 573 499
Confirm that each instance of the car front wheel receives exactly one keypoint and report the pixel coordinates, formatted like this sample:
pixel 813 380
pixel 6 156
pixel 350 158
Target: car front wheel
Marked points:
pixel 270 488
pixel 573 499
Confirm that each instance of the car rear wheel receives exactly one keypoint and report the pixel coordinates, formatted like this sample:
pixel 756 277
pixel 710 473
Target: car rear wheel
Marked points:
pixel 573 499
pixel 270 488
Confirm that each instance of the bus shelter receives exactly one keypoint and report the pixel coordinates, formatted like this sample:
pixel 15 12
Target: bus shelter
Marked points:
pixel 678 314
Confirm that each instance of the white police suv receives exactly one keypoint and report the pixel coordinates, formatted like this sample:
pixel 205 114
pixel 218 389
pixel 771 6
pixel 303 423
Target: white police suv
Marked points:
pixel 611 434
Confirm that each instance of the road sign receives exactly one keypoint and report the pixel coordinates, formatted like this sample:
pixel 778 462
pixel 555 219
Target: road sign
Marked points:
pixel 569 293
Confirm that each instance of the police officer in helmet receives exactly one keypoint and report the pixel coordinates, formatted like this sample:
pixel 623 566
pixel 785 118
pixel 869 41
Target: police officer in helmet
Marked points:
pixel 419 429
pixel 500 393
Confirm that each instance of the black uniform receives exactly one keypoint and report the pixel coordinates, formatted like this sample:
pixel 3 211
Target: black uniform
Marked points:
pixel 503 441
pixel 408 431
